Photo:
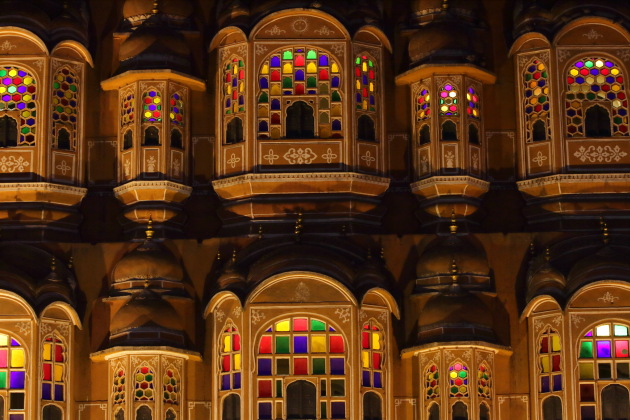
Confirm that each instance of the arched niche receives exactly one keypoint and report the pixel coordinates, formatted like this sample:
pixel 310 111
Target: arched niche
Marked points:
pixel 380 297
pixel 369 34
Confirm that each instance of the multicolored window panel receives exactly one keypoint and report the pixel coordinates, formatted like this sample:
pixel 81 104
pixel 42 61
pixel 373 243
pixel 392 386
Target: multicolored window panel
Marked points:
pixel 423 105
pixel 13 375
pixel 152 106
pixel 549 361
pixel 170 383
pixel 18 92
pixel 472 98
pixel 603 358
pixel 372 342
pixel 484 381
pixel 536 101
pixel 118 386
pixel 302 347
pixel 458 380
pixel 299 73
pixel 432 382
pixel 448 100
pixel 234 87
pixel 365 81
pixel 127 109
pixel 230 363
pixel 53 368
pixel 595 80
pixel 144 384
pixel 65 104
pixel 177 109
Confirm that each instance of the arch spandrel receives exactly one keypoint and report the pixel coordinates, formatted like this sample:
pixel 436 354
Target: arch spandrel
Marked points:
pixel 380 297
pixel 18 42
pixel 541 304
pixel 602 294
pixel 531 41
pixel 299 24
pixel 72 50
pixel 372 35
pixel 591 32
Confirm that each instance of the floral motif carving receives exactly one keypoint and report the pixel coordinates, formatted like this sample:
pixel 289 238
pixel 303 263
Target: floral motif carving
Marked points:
pixel 337 49
pixel 219 314
pixel 450 159
pixel 260 49
pixel 344 314
pixel 593 34
pixel 299 25
pixel 302 293
pixel 539 158
pixel 300 156
pixel 257 316
pixel 176 165
pixel 7 46
pixel 24 327
pixel 127 167
pixel 271 157
pixel 12 164
pixel 237 311
pixel 233 160
pixel 608 298
pixel 275 31
pixel 63 167
pixel 325 31
pixel 600 154
pixel 151 162
pixel 576 320
pixel 329 156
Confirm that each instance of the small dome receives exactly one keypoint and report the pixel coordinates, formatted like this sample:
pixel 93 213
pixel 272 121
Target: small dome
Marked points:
pixel 438 258
pixel 231 277
pixel 443 42
pixel 133 8
pixel 608 263
pixel 543 278
pixel 148 261
pixel 154 39
pixel 146 309
pixel 372 273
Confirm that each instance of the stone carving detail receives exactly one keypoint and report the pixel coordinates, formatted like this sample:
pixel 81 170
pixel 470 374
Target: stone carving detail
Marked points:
pixel 23 327
pixel 475 161
pixel 260 49
pixel 450 159
pixel 593 34
pixel 299 25
pixel 127 167
pixel 399 401
pixel 467 355
pixel 271 157
pixel 12 164
pixel 362 315
pixel 344 314
pixel 324 30
pixel 608 298
pixel 257 316
pixel 151 162
pixel 600 154
pixel 275 31
pixel 6 46
pixel 329 156
pixel 624 54
pixel 368 158
pixel 63 167
pixel 449 356
pixel 424 164
pixel 539 158
pixel 233 160
pixel 524 60
pixel 302 293
pixel 176 165
pixel 337 49
pixel 576 320
pixel 300 156
pixel 219 314
pixel 382 316
pixel 237 311
pixel 563 55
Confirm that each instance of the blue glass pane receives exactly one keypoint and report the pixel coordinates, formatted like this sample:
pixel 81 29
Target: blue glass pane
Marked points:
pixel 366 378
pixel 264 411
pixel 264 83
pixel 264 367
pixel 300 344
pixel 58 392
pixel 338 410
pixel 46 392
pixel 275 61
pixel 17 380
pixel 275 104
pixel 225 382
pixel 337 366
pixel 378 382
pixel 236 380
pixel 299 75
pixel 323 60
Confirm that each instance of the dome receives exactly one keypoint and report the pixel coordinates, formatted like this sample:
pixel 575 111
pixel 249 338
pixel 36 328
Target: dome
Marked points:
pixel 154 39
pixel 608 263
pixel 133 8
pixel 544 277
pixel 231 277
pixel 146 309
pixel 444 41
pixel 148 261
pixel 438 258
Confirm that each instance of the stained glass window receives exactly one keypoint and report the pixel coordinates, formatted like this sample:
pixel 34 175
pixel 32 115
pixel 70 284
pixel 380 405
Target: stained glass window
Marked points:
pixel 595 80
pixel 432 382
pixel 170 383
pixel 549 361
pixel 53 368
pixel 151 106
pixel 484 381
pixel 230 363
pixel 423 105
pixel 448 100
pixel 13 375
pixel 365 83
pixel 458 380
pixel 234 86
pixel 536 102
pixel 65 105
pixel 18 93
pixel 603 357
pixel 299 74
pixel 118 386
pixel 372 342
pixel 127 109
pixel 177 109
pixel 144 384
pixel 472 98
pixel 306 347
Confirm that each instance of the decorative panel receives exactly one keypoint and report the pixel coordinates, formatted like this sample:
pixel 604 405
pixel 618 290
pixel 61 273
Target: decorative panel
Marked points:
pixel 475 165
pixel 151 162
pixel 538 158
pixel 424 161
pixel 598 152
pixel 127 165
pixel 368 158
pixel 450 158
pixel 303 154
pixel 233 159
pixel 17 164
pixel 64 167
pixel 177 167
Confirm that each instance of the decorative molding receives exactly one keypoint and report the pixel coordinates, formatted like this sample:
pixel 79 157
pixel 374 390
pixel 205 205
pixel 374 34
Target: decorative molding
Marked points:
pixel 7 46
pixel 608 298
pixel 329 155
pixel 275 31
pixel 343 314
pixel 300 156
pixel 271 157
pixel 540 158
pixel 299 25
pixel 12 164
pixel 600 154
pixel 237 311
pixel 576 320
pixel 368 158
pixel 233 160
pixel 399 401
pixel 592 34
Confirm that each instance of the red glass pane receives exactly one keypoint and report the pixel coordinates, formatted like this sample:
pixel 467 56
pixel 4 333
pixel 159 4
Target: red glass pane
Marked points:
pixel 556 363
pixel 544 345
pixel 144 370
pixel 357 71
pixel 372 74
pixel 621 349
pixel 265 345
pixel 376 361
pixel 241 74
pixel 336 344
pixel 323 74
pixel 226 363
pixel 47 372
pixel 3 358
pixel 264 389
pixel 300 366
pixel 58 354
pixel 236 342
pixel 365 340
pixel 299 60
pixel 299 89
pixel 300 324
pixel 275 76
pixel 228 77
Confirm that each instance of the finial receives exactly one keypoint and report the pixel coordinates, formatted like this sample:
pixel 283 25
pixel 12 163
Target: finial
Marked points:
pixel 70 263
pixel 155 7
pixel 532 249
pixel 547 254
pixel 218 258
pixel 53 264
pixel 382 255
pixel 234 256
pixel 149 232
pixel 453 223
pixel 604 228
pixel 146 284
pixel 454 271
pixel 298 226
pixel 260 232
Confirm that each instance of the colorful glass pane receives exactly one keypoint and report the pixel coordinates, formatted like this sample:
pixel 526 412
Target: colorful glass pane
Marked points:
pixel 549 360
pixel 177 109
pixel 65 104
pixel 536 101
pixel 127 107
pixel 449 100
pixel 365 81
pixel 432 382
pixel 371 355
pixel 152 106
pixel 472 99
pixel 458 380
pixel 234 85
pixel 118 386
pixel 484 381
pixel 230 357
pixel 18 93
pixel 143 388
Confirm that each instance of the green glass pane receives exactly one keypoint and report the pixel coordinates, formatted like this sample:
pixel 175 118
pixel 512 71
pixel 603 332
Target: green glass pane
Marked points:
pixel 59 109
pixel 319 366
pixel 589 64
pixel 544 74
pixel 617 120
pixel 317 325
pixel 240 63
pixel 263 99
pixel 287 55
pixel 336 97
pixel 324 415
pixel 282 345
pixel 56 85
pixel 311 82
pixel 149 377
pixel 586 351
pixel 542 99
pixel 287 82
pixel 228 111
pixel 621 331
pixel 454 390
pixel 528 77
pixel 3 73
pixel 25 130
pixel 73 88
pixel 3 379
pixel 279 389
pixel 370 63
pixel 590 96
pixel 463 374
pixel 358 60
pixel 311 55
pixel 139 393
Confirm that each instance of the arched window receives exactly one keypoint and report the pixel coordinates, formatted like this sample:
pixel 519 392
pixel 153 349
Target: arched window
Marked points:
pixel 596 79
pixel 460 411
pixel 425 134
pixel 118 388
pixel 8 132
pixel 432 382
pixel 63 139
pixel 171 385
pixel 144 413
pixel 372 406
pixel 177 109
pixel 473 134
pixel 234 132
pixel 458 380
pixel 372 356
pixel 65 107
pixel 449 131
pixel 484 412
pixel 301 347
pixel 52 412
pixel 449 100
pixel 552 408
pixel 536 102
pixel 549 361
pixel 234 86
pixel 299 74
pixel 365 128
pixel 597 122
pixel 144 385
pixel 603 359
pixel 434 412
pixel 176 139
pixel 484 382
pixel 53 368
pixel 301 400
pixel 366 96
pixel 231 407
pixel 151 136
pixel 300 121
pixel 230 354
pixel 152 106
pixel 423 113
pixel 472 97
pixel 18 93
pixel 615 404
pixel 13 377
pixel 127 109
pixel 120 414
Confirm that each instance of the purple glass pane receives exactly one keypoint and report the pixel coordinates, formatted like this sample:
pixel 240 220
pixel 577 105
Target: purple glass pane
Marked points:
pixel 335 82
pixel 264 367
pixel 544 384
pixel 589 334
pixel 225 382
pixel 58 392
pixel 331 329
pixel 264 411
pixel 299 75
pixel 268 329
pixel 323 60
pixel 588 413
pixel 366 378
pixel 264 84
pixel 46 392
pixel 236 380
pixel 299 345
pixel 275 104
pixel 378 382
pixel 337 366
pixel 557 383
pixel 16 417
pixel 17 380
pixel 338 410
pixel 14 342
pixel 275 61
pixel 603 348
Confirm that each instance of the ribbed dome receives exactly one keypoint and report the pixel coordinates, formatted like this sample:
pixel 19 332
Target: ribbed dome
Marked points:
pixel 438 258
pixel 606 264
pixel 443 42
pixel 148 261
pixel 154 39
pixel 146 309
pixel 132 8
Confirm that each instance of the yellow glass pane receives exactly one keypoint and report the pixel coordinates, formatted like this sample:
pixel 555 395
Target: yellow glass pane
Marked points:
pixel 358 85
pixel 234 69
pixel 47 351
pixel 275 90
pixel 157 100
pixel 227 343
pixel 599 63
pixel 453 374
pixel 544 363
pixel 586 371
pixel 287 68
pixel 148 114
pixel 2 89
pixel 364 66
pixel 603 330
pixel 241 86
pixel 237 361
pixel 235 106
pixel 28 80
pixel 574 72
pixel 376 341
pixel 318 344
pixel 12 73
pixel 311 68
pixel 229 89
pixel 555 343
pixel 58 373
pixel 4 340
pixel 265 69
pixel 614 71
pixel 365 359
pixel 541 67
pixel 282 326
pixel 334 68
pixel 17 358
pixel 371 87
pixel 365 105
pixel 616 87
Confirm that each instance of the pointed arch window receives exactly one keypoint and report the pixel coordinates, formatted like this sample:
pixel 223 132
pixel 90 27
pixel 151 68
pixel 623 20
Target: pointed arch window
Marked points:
pixel 118 388
pixel 473 103
pixel 231 407
pixel 304 74
pixel 171 386
pixel 127 109
pixel 372 406
pixel 152 106
pixel 13 377
pixel 234 86
pixel 423 113
pixel 366 91
pixel 65 109
pixel 484 382
pixel 18 94
pixel 449 100
pixel 53 368
pixel 432 382
pixel 8 131
pixel 596 80
pixel 458 376
pixel 372 343
pixel 144 384
pixel 176 113
pixel 536 101
pixel 230 355
pixel 549 361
